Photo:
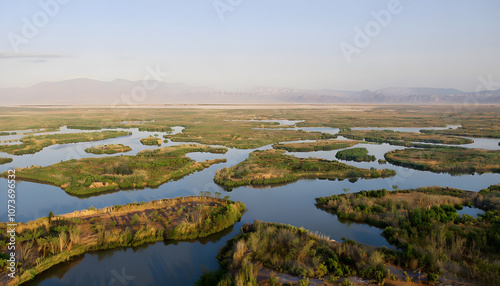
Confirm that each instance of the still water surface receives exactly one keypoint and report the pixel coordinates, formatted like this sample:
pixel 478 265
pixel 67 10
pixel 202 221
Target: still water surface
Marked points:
pixel 182 263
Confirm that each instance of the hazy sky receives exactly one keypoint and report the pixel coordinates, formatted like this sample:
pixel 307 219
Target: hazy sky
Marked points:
pixel 240 44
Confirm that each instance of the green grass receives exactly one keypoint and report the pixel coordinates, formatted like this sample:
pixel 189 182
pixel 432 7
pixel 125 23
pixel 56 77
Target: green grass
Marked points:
pixel 149 168
pixel 210 126
pixel 355 154
pixel 32 144
pixel 470 132
pixel 294 251
pixel 274 167
pixel 401 138
pixel 47 243
pixel 426 227
pixel 323 145
pixel 108 149
pixel 453 161
pixel 242 135
pixel 150 127
pixel 4 160
pixel 151 141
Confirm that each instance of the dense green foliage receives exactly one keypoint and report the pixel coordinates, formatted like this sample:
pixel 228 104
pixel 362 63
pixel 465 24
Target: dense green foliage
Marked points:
pixel 453 161
pixel 46 243
pixel 401 138
pixel 32 144
pixel 4 160
pixel 359 154
pixel 323 145
pixel 291 250
pixel 425 225
pixel 108 149
pixel 273 166
pixel 149 168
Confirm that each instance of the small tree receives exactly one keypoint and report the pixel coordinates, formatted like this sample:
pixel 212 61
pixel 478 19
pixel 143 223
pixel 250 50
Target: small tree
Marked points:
pixel 51 215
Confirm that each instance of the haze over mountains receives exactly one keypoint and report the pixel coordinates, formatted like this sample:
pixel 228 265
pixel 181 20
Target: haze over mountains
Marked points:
pixel 125 92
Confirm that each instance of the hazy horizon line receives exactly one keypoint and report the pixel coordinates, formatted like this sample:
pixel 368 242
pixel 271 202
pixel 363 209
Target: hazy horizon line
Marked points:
pixel 241 89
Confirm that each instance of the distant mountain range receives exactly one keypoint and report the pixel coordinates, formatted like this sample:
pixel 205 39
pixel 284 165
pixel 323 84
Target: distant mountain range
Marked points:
pixel 125 92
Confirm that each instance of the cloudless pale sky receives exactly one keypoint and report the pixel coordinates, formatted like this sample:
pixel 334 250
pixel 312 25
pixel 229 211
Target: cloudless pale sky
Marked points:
pixel 280 43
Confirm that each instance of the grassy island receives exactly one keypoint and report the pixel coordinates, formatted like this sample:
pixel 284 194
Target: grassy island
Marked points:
pixel 273 167
pixel 146 126
pixel 279 254
pixel 427 229
pixel 108 149
pixel 477 131
pixel 322 145
pixel 52 240
pixel 355 154
pixel 151 141
pixel 401 138
pixel 32 144
pixel 4 160
pixel 453 161
pixel 149 168
pixel 241 134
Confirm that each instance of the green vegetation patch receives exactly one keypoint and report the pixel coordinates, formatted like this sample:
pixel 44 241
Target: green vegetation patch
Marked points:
pixel 209 122
pixel 32 144
pixel 210 126
pixel 294 251
pixel 273 167
pixel 323 145
pixel 52 240
pixel 4 160
pixel 108 149
pixel 453 161
pixel 149 126
pixel 241 134
pixel 355 154
pixel 401 138
pixel 425 225
pixel 151 141
pixel 480 131
pixel 149 168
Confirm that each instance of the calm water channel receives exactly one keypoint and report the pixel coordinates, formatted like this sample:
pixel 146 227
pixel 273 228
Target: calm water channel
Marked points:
pixel 182 263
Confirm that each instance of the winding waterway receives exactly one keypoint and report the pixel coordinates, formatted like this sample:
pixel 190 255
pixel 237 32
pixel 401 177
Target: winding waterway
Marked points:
pixel 182 263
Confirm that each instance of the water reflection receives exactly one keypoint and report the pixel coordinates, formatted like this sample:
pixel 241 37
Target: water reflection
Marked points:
pixel 182 263
pixel 472 211
pixel 161 263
